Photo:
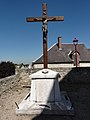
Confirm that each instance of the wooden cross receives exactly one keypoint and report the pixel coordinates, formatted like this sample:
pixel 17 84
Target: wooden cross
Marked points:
pixel 44 19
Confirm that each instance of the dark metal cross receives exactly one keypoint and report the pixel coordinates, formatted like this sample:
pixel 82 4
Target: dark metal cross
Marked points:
pixel 44 19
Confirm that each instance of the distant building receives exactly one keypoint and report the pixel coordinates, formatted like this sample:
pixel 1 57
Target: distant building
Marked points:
pixel 62 55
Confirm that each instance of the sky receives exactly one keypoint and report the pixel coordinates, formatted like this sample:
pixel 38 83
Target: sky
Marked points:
pixel 22 42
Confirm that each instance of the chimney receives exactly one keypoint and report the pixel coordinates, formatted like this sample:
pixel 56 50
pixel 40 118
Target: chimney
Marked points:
pixel 60 43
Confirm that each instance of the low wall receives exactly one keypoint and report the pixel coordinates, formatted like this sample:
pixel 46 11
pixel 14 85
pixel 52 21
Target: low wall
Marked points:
pixel 73 75
pixel 7 82
pixel 68 76
pixel 21 78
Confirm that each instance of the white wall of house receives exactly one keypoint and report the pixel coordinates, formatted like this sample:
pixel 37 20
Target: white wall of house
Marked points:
pixel 84 64
pixel 62 65
pixel 53 65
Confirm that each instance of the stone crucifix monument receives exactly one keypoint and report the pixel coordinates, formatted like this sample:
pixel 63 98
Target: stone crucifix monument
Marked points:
pixel 45 96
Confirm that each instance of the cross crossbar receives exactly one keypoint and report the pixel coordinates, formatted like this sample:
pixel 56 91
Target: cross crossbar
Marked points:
pixel 40 19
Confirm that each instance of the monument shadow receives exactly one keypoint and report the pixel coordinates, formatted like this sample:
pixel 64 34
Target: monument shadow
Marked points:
pixel 77 85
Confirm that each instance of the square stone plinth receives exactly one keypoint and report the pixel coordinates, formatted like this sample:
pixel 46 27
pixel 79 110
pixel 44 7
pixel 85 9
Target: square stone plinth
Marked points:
pixel 45 96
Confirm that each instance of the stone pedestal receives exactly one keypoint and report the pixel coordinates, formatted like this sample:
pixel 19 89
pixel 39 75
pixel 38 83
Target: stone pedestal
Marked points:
pixel 45 96
pixel 45 87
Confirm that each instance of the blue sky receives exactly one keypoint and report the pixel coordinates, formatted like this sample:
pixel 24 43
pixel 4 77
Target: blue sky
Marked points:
pixel 21 42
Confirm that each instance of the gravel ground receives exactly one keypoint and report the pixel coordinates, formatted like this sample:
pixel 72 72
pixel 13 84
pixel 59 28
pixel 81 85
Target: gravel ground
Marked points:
pixel 78 93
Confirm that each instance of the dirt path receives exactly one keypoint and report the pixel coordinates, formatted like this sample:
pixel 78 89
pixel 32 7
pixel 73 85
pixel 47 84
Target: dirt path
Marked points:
pixel 7 103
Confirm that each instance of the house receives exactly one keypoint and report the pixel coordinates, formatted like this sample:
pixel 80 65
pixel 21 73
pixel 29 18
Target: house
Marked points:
pixel 59 55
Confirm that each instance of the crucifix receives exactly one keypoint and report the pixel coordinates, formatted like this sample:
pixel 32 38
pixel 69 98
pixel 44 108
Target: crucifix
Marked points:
pixel 44 19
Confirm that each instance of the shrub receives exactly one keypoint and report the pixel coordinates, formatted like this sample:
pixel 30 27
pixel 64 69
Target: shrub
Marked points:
pixel 6 69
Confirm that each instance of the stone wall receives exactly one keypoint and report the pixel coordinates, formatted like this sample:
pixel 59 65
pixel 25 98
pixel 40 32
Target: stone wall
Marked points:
pixel 21 78
pixel 7 82
pixel 73 75
pixel 68 75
